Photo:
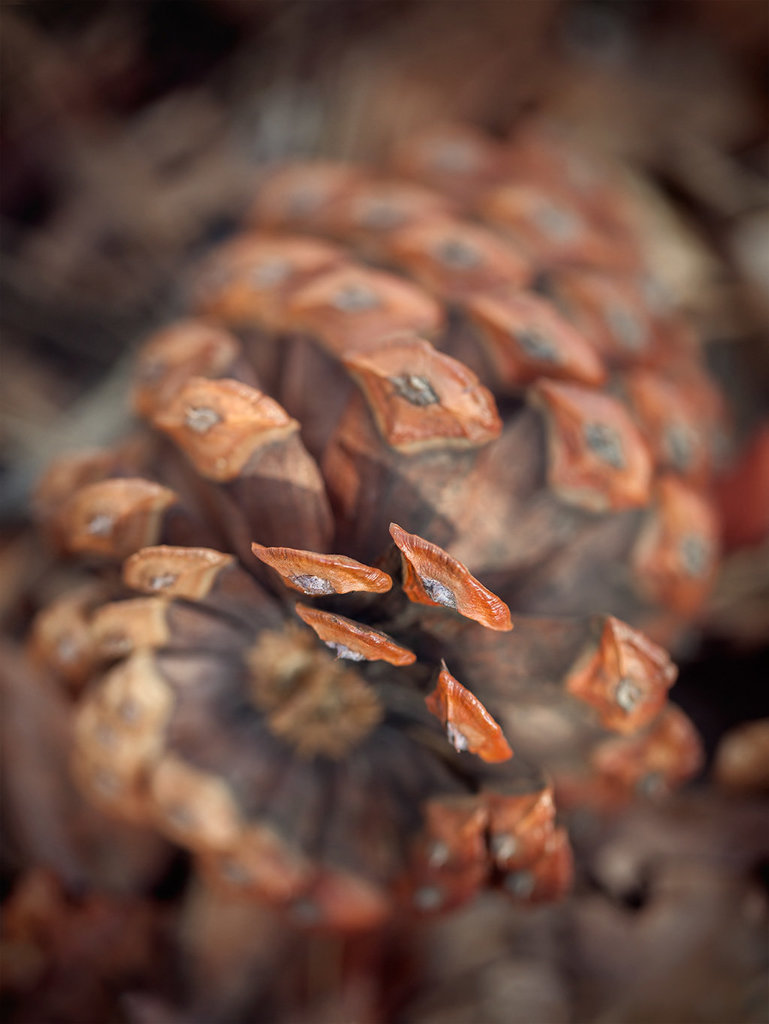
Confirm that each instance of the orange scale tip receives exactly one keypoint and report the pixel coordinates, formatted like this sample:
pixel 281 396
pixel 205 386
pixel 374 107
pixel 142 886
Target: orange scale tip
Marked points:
pixel 170 356
pixel 448 862
pixel 351 309
pixel 625 677
pixel 454 157
pixel 114 517
pixel 597 458
pixel 175 572
pixel 299 194
pixel 111 785
pixel 676 554
pixel 421 398
pixel 549 878
pixel 381 206
pixel 541 152
pixel 248 279
pixel 352 640
pixel 432 576
pixel 193 807
pixel 136 700
pixel 454 834
pixel 552 229
pixel 612 312
pixel 61 636
pixel 120 627
pixel 316 574
pixel 669 422
pixel 468 724
pixel 451 852
pixel 69 473
pixel 520 825
pixel 454 259
pixel 219 424
pixel 262 863
pixel 527 338
pixel 119 731
pixel 431 890
pixel 666 755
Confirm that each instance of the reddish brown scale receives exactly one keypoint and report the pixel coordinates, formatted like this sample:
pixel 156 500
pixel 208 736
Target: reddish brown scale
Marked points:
pixel 168 358
pixel 468 724
pixel 354 309
pixel 667 754
pixel 611 312
pixel 705 400
pixel 553 231
pixel 624 676
pixel 520 826
pixel 69 473
pixel 219 424
pixel 113 518
pixel 189 573
pixel 242 440
pixel 315 574
pixel 249 281
pixel 596 456
pixel 267 270
pixel 526 338
pixel 205 576
pixel 431 576
pixel 449 860
pixel 421 398
pixel 543 155
pixel 539 151
pixel 61 637
pixel 370 481
pixel 260 864
pixel 549 878
pixel 120 736
pixel 372 210
pixel 669 423
pixel 193 807
pixel 454 260
pixel 299 196
pixel 453 158
pixel 121 627
pixel 349 639
pixel 675 555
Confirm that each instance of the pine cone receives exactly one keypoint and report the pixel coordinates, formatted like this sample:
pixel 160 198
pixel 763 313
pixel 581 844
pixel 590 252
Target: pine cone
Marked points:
pixel 464 352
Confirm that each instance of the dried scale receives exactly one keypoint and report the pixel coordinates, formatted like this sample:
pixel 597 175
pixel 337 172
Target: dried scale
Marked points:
pixel 426 413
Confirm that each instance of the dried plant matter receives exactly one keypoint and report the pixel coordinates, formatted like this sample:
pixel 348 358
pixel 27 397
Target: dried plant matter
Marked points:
pixel 383 581
pixel 317 739
pixel 324 785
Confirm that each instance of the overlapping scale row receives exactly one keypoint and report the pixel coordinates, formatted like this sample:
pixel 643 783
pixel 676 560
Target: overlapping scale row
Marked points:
pixel 458 349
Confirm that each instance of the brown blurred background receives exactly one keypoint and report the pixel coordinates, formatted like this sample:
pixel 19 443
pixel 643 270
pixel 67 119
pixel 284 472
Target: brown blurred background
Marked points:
pixel 133 134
